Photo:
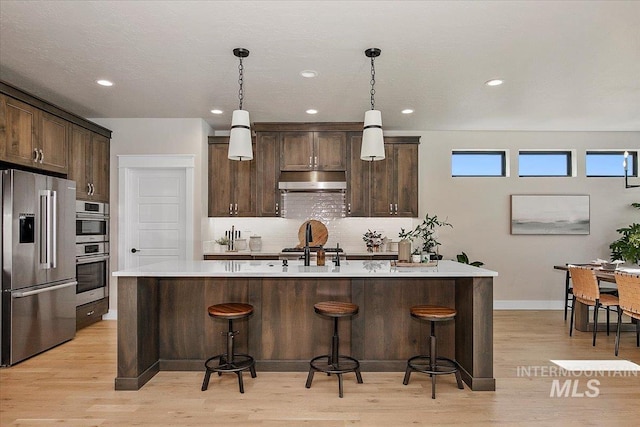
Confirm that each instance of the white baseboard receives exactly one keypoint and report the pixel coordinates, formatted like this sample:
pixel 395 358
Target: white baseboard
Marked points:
pixel 528 305
pixel 111 315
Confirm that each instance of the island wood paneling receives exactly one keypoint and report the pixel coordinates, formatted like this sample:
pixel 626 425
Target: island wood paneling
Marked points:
pixel 164 325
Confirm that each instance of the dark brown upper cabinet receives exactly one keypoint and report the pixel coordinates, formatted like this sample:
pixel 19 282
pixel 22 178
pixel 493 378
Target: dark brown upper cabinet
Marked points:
pixel 232 184
pixel 384 188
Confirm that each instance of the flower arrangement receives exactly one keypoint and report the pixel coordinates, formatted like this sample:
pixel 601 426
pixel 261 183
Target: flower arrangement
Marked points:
pixel 372 239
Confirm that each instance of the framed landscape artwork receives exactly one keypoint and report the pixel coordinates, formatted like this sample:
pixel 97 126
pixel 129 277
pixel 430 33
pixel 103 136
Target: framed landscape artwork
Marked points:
pixel 549 214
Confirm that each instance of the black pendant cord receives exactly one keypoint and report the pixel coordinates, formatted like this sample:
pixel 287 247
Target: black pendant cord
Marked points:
pixel 241 81
pixel 373 83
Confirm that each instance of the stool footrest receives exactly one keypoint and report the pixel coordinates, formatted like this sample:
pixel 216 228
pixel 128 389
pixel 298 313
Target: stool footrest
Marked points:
pixel 442 366
pixel 342 366
pixel 240 362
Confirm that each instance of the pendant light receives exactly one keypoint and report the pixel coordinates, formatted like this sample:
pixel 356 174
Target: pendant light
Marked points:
pixel 372 140
pixel 240 138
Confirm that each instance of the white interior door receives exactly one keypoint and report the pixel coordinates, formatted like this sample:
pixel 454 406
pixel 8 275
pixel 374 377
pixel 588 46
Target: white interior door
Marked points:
pixel 156 220
pixel 155 215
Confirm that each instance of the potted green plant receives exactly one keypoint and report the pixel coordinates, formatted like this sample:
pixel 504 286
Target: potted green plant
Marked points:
pixel 427 232
pixel 464 259
pixel 224 243
pixel 627 247
pixel 416 256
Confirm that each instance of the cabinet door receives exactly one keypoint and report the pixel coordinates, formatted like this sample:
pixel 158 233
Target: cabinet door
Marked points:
pixel 79 155
pixel 19 132
pixel 358 177
pixel 54 143
pixel 99 167
pixel 268 170
pixel 330 152
pixel 296 151
pixel 406 179
pixel 244 187
pixel 382 184
pixel 220 181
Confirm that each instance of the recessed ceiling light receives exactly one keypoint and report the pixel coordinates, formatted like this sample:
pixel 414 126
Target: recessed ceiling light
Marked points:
pixel 312 111
pixel 494 82
pixel 215 111
pixel 407 111
pixel 309 74
pixel 104 82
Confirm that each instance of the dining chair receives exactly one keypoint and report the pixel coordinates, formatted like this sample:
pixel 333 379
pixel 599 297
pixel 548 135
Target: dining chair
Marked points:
pixel 587 291
pixel 629 302
pixel 568 290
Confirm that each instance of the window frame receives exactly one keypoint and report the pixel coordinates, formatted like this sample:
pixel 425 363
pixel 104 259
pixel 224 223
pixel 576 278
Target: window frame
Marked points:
pixel 571 162
pixel 504 155
pixel 632 153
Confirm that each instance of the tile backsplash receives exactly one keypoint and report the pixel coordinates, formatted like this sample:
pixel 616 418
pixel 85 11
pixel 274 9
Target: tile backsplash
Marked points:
pixel 323 206
pixel 278 233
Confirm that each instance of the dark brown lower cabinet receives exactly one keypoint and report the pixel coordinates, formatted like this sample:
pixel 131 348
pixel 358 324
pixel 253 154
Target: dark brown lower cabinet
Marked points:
pixel 91 313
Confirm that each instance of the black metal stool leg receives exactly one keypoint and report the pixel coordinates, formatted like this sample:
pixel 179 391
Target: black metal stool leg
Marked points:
pixel 309 378
pixel 240 382
pixel 358 376
pixel 205 383
pixel 595 321
pixel 459 380
pixel 407 374
pixel 339 384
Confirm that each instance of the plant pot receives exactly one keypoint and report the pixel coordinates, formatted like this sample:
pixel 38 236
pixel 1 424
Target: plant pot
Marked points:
pixel 416 258
pixel 404 250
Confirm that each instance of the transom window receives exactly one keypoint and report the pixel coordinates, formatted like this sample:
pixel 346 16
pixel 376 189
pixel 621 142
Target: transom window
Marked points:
pixel 478 163
pixel 610 163
pixel 544 163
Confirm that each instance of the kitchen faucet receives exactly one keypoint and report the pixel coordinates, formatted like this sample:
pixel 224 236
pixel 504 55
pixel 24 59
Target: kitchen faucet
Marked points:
pixel 308 238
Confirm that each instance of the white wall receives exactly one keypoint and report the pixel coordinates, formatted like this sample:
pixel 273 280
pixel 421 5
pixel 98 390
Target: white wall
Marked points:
pixel 479 208
pixel 157 136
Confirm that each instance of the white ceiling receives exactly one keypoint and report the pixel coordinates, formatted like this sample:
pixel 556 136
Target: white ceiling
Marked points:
pixel 567 65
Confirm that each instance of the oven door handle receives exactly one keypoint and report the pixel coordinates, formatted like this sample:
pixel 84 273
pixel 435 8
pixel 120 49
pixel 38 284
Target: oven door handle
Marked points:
pixel 90 259
pixel 95 216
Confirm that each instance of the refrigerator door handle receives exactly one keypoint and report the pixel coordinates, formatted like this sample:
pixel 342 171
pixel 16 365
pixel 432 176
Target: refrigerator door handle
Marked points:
pixel 47 221
pixel 53 201
pixel 43 290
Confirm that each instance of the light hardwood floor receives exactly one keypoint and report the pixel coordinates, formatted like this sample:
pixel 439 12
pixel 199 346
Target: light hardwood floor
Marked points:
pixel 72 385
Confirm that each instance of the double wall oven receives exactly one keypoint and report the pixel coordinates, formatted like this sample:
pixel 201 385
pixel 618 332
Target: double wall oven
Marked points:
pixel 92 251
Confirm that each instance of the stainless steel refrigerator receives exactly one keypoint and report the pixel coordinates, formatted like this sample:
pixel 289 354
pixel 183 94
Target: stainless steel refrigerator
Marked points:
pixel 38 264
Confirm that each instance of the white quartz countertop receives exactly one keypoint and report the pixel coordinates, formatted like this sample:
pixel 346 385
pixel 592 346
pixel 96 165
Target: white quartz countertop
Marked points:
pixel 296 268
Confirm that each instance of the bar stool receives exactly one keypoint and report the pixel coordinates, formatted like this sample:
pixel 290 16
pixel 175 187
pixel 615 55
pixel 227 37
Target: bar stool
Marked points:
pixel 335 363
pixel 432 364
pixel 230 361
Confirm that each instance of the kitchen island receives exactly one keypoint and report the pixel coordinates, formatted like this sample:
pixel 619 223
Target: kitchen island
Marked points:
pixel 163 322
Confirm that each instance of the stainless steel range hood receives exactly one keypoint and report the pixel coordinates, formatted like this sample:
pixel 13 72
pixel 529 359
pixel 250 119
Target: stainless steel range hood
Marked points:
pixel 313 181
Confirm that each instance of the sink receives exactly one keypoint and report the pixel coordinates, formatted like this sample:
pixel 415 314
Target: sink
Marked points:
pixel 313 269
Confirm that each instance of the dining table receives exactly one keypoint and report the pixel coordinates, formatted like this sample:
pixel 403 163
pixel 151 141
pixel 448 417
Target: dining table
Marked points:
pixel 581 320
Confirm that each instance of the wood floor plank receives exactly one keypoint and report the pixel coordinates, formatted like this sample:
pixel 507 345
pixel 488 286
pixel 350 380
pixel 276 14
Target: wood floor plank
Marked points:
pixel 73 385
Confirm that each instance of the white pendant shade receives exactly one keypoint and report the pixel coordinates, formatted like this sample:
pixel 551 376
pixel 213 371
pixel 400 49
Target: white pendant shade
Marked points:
pixel 372 140
pixel 240 138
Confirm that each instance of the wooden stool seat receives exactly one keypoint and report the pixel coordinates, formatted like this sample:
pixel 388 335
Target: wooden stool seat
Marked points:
pixel 433 313
pixel 231 310
pixel 336 308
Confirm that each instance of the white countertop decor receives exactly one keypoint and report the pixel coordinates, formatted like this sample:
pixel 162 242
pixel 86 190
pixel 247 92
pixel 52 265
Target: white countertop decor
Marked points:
pixel 296 268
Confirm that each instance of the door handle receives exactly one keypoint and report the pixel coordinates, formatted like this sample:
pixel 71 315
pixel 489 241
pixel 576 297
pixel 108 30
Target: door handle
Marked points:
pixel 390 208
pixel 134 250
pixel 35 155
pixel 349 208
pixel 41 156
pixel 396 209
pixel 236 208
pixel 43 290
pixel 230 208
